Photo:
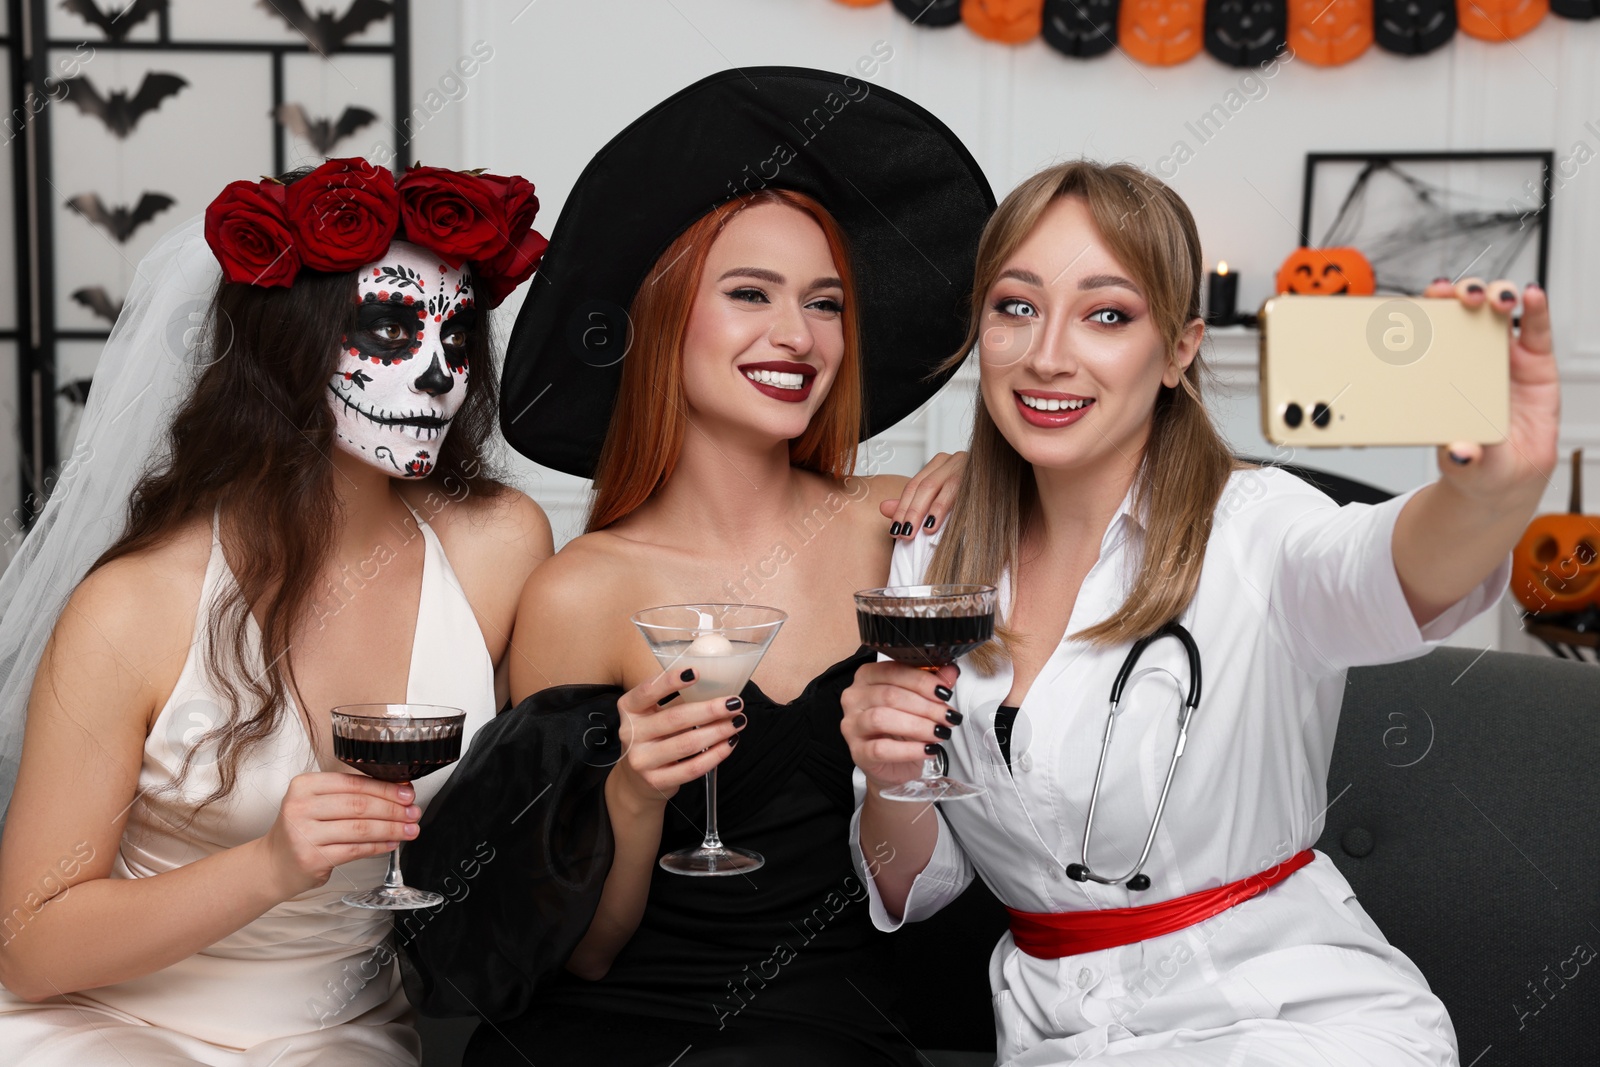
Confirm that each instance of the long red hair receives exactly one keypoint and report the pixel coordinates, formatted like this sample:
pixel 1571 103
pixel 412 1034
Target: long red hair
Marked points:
pixel 651 416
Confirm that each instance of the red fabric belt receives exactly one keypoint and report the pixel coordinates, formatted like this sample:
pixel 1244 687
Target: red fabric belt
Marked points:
pixel 1052 935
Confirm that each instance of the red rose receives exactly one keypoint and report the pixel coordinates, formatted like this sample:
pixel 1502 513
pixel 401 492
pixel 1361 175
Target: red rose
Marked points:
pixel 497 277
pixel 248 231
pixel 344 214
pixel 517 199
pixel 455 215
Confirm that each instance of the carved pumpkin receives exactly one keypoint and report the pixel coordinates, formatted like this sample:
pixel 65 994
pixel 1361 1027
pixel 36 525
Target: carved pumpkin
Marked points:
pixel 1500 20
pixel 1413 27
pixel 1326 272
pixel 1081 28
pixel 930 12
pixel 1581 10
pixel 1246 33
pixel 1326 33
pixel 1555 568
pixel 1161 32
pixel 1006 21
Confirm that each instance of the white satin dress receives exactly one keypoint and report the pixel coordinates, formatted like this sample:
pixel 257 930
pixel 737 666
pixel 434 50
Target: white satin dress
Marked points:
pixel 312 981
pixel 1294 590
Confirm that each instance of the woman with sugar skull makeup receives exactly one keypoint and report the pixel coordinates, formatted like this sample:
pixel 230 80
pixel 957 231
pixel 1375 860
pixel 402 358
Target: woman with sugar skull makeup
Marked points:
pixel 314 525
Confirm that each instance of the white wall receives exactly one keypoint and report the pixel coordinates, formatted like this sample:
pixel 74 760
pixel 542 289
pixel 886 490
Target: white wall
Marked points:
pixel 566 75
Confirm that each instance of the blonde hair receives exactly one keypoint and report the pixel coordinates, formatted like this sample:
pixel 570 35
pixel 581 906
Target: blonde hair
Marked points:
pixel 1185 465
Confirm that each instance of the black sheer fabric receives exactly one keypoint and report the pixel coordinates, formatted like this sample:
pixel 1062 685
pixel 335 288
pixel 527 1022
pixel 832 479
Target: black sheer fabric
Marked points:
pixel 519 842
pixel 776 967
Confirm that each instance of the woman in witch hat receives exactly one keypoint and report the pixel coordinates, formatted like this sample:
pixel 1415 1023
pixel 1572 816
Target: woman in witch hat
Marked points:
pixel 757 275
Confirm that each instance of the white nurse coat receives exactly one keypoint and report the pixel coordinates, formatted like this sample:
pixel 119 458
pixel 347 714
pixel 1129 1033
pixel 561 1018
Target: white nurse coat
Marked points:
pixel 1293 592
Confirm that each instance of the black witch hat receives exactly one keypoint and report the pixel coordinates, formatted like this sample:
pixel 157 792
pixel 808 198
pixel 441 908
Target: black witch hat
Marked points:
pixel 907 194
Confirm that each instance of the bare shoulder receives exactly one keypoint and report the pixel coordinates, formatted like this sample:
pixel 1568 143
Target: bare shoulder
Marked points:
pixel 506 529
pixel 571 615
pixel 139 609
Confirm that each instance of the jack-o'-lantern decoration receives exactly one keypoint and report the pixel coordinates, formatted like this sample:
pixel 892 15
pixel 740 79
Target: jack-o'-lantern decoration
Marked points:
pixel 1413 27
pixel 1582 10
pixel 1006 21
pixel 1326 272
pixel 1500 20
pixel 1081 28
pixel 930 12
pixel 1555 568
pixel 1246 33
pixel 1162 32
pixel 1326 33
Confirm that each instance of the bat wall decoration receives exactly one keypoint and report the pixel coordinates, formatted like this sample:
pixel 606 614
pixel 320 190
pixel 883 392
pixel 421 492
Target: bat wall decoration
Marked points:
pixel 120 222
pixel 115 23
pixel 322 134
pixel 119 111
pixel 325 31
pixel 95 298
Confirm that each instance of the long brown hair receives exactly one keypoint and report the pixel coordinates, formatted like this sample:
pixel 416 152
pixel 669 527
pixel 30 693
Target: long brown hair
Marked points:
pixel 651 416
pixel 255 438
pixel 1185 465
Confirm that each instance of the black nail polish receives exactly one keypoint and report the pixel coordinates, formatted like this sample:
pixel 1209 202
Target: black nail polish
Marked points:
pixel 927 523
pixel 1460 460
pixel 932 749
pixel 942 732
pixel 687 675
pixel 734 740
pixel 900 528
pixel 735 703
pixel 942 693
pixel 739 721
pixel 1508 294
pixel 664 701
pixel 1474 289
pixel 954 716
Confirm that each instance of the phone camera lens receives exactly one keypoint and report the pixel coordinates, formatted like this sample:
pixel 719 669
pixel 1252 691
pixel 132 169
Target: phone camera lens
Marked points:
pixel 1293 416
pixel 1321 415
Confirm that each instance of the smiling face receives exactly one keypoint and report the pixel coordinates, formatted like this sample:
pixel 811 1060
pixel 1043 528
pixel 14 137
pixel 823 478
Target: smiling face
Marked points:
pixel 402 373
pixel 765 335
pixel 1072 359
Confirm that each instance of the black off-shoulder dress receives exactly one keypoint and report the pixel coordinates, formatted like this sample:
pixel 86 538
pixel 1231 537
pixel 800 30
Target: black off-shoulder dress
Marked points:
pixel 778 967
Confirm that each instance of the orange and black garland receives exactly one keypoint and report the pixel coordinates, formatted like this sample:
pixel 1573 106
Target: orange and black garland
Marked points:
pixel 1241 33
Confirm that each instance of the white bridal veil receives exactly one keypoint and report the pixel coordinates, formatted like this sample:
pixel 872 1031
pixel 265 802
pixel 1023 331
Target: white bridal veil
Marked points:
pixel 151 359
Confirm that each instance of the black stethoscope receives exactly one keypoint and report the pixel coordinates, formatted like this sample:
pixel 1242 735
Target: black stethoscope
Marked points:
pixel 1081 872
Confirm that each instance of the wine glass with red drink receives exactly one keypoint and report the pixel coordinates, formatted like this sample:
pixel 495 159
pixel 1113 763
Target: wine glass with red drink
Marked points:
pixel 927 626
pixel 396 743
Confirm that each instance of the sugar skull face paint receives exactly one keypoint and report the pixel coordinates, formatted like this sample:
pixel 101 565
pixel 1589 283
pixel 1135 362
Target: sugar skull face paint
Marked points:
pixel 402 373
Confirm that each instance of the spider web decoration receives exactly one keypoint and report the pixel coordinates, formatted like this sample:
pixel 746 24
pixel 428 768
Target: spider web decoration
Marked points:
pixel 1427 216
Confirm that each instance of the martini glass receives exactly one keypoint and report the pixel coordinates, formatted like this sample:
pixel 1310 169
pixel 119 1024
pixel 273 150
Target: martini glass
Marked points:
pixel 723 643
pixel 928 627
pixel 396 743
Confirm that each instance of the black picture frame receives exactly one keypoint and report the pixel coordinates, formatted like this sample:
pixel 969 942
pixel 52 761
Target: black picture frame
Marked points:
pixel 1537 211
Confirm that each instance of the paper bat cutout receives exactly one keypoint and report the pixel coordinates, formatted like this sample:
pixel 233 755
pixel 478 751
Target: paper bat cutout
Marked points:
pixel 117 110
pixel 120 222
pixel 115 23
pixel 322 134
pixel 76 391
pixel 325 32
pixel 94 298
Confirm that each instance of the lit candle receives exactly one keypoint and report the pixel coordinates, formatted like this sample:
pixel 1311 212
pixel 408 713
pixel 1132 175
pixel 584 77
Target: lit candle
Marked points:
pixel 1221 295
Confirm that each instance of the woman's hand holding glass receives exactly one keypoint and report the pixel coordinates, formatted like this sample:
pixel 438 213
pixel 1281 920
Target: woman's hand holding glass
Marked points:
pixel 328 818
pixel 666 743
pixel 895 716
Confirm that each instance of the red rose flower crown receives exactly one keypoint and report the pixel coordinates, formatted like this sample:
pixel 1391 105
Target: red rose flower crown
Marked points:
pixel 345 213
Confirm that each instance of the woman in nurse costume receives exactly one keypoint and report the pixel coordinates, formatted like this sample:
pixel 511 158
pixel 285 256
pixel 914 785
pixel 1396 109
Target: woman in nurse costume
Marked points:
pixel 1104 506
